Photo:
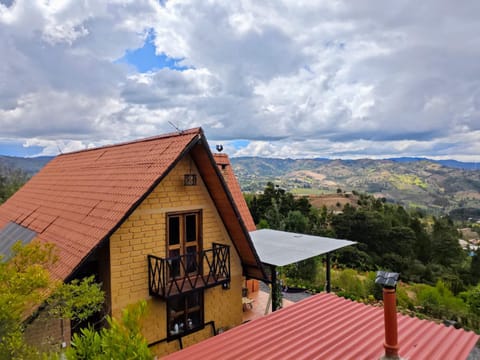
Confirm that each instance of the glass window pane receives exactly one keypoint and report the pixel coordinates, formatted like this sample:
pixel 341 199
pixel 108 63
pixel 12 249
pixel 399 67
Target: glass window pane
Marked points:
pixel 191 259
pixel 185 313
pixel 173 230
pixel 191 227
pixel 174 262
pixel 194 320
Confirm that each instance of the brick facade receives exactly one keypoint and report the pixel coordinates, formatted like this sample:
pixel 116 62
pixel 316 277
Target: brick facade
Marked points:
pixel 45 333
pixel 144 233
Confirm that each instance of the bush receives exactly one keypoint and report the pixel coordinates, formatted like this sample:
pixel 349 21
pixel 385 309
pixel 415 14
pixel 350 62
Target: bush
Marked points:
pixel 403 300
pixel 353 257
pixel 440 302
pixel 473 300
pixel 350 284
pixel 122 340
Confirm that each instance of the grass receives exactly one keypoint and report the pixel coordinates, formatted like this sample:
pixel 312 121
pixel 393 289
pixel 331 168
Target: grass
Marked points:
pixel 300 191
pixel 403 180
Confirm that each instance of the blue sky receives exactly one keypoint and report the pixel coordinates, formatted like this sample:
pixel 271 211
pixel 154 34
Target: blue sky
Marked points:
pixel 331 79
pixel 145 59
pixel 17 149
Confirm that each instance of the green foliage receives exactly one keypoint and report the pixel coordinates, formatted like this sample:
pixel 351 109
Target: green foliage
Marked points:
pixel 279 209
pixel 440 302
pixel 24 283
pixel 472 298
pixel 350 284
pixel 121 340
pixel 403 300
pixel 10 181
pixel 309 270
pixel 295 221
pixel 77 300
pixel 475 268
pixel 423 249
pixel 446 249
pixel 353 257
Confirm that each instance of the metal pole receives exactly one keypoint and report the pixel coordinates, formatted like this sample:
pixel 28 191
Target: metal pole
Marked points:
pixel 273 270
pixel 328 274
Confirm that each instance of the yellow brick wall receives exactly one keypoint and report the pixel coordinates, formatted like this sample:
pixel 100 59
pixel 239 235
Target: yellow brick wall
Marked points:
pixel 144 233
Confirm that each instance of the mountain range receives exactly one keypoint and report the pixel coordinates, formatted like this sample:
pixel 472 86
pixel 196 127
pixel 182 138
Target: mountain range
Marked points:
pixel 29 166
pixel 436 186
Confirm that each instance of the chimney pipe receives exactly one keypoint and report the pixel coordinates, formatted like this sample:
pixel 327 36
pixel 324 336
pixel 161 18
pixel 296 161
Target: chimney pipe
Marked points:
pixel 389 283
pixel 391 327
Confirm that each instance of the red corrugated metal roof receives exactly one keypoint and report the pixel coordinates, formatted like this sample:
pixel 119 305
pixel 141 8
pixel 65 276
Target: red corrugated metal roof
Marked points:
pixel 77 199
pixel 223 163
pixel 326 326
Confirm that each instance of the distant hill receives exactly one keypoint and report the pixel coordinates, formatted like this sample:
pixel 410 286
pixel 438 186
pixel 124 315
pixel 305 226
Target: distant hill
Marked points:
pixel 28 165
pixel 434 186
pixel 448 163
pixel 440 187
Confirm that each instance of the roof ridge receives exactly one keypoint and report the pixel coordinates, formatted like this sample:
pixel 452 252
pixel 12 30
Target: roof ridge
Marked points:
pixel 197 130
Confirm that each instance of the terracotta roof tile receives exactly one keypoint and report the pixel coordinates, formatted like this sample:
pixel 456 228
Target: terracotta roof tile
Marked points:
pixel 223 163
pixel 78 198
pixel 325 326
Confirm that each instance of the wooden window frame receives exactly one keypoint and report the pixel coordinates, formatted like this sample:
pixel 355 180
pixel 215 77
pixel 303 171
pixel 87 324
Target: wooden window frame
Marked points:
pixel 181 248
pixel 189 319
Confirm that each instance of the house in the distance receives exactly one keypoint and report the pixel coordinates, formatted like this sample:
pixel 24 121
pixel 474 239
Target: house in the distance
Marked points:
pixel 160 219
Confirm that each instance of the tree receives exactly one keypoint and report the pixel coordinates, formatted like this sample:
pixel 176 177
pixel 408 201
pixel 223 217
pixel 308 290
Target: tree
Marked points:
pixel 446 249
pixel 402 241
pixel 11 180
pixel 423 245
pixel 76 301
pixel 475 268
pixel 24 283
pixel 296 222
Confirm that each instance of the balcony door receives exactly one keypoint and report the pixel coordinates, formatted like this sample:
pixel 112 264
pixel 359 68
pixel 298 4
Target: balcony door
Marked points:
pixel 184 243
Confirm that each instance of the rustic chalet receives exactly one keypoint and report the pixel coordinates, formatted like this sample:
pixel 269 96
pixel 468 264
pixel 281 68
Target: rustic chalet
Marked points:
pixel 160 219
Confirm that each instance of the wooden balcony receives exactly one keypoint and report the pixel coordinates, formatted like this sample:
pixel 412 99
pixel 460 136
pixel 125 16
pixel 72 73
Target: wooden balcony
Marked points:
pixel 168 277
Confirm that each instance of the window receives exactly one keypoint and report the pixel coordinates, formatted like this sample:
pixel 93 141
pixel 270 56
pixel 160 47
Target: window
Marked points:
pixel 185 314
pixel 184 244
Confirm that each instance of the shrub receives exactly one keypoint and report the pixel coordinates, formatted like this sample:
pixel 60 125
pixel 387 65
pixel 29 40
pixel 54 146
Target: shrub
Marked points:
pixel 350 283
pixel 122 340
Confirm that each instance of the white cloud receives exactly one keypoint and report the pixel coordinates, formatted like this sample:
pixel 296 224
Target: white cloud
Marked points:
pixel 297 78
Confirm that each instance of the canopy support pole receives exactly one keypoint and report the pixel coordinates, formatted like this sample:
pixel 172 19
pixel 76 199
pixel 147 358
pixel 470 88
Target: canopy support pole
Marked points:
pixel 328 284
pixel 275 290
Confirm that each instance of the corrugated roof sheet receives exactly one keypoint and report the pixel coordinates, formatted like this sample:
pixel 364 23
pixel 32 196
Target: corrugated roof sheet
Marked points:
pixel 326 326
pixel 77 199
pixel 12 233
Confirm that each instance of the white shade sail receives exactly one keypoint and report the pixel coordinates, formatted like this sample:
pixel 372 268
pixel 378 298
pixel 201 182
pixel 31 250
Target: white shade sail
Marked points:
pixel 282 248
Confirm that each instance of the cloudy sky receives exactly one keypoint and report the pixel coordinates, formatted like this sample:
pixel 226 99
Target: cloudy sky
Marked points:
pixel 338 79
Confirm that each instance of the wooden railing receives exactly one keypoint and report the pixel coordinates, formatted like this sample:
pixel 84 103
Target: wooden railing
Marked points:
pixel 168 277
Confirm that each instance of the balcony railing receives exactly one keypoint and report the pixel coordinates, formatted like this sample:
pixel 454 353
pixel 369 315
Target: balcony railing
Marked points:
pixel 179 275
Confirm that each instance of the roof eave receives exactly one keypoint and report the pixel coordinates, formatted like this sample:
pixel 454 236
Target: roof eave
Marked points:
pixel 185 151
pixel 258 265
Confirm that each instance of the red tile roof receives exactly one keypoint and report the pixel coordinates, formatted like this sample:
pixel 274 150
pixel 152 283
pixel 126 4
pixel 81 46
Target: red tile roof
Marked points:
pixel 79 198
pixel 223 163
pixel 326 326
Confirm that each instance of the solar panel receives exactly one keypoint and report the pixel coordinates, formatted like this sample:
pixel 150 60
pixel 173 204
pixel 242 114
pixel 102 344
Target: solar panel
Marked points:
pixel 12 233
